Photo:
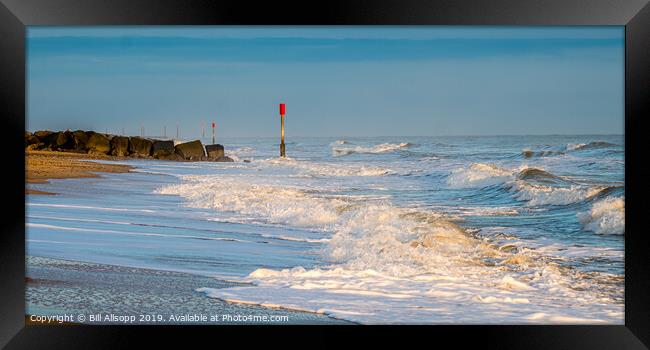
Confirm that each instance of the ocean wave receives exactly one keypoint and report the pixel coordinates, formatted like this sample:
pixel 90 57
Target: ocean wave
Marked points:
pixel 590 145
pixel 415 263
pixel 381 148
pixel 535 186
pixel 326 169
pixel 527 153
pixel 607 216
pixel 538 195
pixel 479 175
pixel 538 175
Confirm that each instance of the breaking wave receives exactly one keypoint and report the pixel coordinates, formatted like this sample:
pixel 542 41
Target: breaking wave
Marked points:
pixel 535 186
pixel 326 169
pixel 381 148
pixel 529 153
pixel 388 256
pixel 607 216
pixel 590 145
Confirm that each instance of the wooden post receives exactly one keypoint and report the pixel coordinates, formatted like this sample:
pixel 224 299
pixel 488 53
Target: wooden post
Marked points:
pixel 282 147
pixel 213 126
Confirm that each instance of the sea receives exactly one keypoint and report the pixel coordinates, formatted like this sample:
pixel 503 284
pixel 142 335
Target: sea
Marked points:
pixel 413 230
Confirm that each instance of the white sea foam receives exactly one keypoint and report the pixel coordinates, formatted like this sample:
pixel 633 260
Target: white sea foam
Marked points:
pixel 575 146
pixel 382 257
pixel 381 148
pixel 606 216
pixel 479 175
pixel 326 169
pixel 537 195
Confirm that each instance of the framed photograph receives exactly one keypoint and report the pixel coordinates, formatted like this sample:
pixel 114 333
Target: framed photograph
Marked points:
pixel 223 169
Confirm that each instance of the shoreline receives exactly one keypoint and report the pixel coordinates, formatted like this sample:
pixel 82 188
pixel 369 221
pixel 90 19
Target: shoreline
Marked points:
pixel 59 278
pixel 43 166
pixel 73 286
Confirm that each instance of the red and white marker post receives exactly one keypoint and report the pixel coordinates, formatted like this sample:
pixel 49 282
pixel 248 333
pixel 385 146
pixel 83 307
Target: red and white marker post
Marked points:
pixel 283 109
pixel 213 126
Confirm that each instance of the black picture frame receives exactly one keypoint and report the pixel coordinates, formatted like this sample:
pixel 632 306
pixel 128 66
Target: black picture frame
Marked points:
pixel 15 15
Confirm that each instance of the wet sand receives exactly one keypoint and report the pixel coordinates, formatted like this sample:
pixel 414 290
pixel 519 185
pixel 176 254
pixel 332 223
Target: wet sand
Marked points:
pixel 41 166
pixel 58 287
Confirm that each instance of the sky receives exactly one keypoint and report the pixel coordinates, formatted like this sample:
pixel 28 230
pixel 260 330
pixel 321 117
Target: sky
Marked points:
pixel 335 81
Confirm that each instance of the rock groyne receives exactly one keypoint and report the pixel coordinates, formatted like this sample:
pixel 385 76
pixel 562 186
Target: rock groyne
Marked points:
pixel 92 142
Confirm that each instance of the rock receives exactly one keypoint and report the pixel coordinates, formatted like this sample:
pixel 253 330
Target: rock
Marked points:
pixel 140 146
pixel 42 134
pixel 192 150
pixel 162 149
pixel 224 159
pixel 214 151
pixel 173 156
pixel 120 146
pixel 57 140
pixel 30 139
pixel 79 140
pixel 98 143
pixel 35 146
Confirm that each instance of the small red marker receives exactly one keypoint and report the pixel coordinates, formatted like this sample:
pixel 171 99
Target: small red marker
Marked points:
pixel 213 126
pixel 283 109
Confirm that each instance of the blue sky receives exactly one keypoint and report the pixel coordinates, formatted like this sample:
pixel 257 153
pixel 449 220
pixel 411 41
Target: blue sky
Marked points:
pixel 336 81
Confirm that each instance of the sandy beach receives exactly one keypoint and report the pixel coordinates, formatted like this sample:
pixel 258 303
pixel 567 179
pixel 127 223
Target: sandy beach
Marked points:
pixel 58 287
pixel 41 166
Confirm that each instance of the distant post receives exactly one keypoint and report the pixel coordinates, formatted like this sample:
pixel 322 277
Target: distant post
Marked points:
pixel 213 126
pixel 283 109
pixel 177 132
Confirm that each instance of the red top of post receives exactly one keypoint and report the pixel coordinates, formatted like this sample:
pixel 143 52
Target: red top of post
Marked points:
pixel 283 108
pixel 213 125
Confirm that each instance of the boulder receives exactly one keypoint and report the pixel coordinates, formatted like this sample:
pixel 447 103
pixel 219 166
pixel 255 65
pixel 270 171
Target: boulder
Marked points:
pixel 139 146
pixel 162 149
pixel 57 140
pixel 214 151
pixel 79 140
pixel 224 159
pixel 35 146
pixel 42 134
pixel 98 143
pixel 192 150
pixel 120 146
pixel 173 156
pixel 30 139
